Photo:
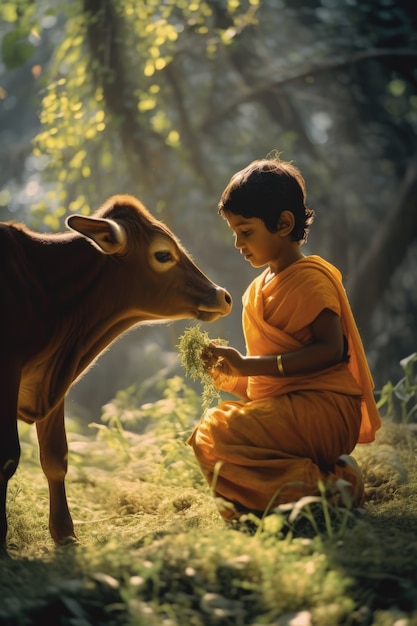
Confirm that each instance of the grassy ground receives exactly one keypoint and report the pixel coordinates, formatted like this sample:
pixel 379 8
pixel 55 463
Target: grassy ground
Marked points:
pixel 153 550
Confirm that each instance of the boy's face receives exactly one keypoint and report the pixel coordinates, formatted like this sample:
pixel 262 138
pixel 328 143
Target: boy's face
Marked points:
pixel 256 243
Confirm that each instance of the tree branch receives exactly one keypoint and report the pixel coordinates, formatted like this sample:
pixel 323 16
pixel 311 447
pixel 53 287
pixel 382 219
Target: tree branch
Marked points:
pixel 299 75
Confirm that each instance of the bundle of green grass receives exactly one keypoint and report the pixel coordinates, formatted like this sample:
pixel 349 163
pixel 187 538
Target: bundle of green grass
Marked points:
pixel 191 345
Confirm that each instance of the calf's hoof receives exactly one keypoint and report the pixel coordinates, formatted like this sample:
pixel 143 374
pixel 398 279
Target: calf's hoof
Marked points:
pixel 67 542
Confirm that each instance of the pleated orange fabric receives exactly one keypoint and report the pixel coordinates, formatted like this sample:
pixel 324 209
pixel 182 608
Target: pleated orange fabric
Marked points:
pixel 288 436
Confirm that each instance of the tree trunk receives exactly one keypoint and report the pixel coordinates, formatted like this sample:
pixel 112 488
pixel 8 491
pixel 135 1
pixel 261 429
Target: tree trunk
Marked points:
pixel 385 254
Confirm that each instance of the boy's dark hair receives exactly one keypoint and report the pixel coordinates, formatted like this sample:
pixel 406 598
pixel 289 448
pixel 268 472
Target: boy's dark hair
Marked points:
pixel 264 189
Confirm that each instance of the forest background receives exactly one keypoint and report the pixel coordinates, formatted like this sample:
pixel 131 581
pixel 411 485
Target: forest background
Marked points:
pixel 165 100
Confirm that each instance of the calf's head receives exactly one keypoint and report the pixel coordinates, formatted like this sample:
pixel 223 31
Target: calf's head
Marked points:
pixel 160 280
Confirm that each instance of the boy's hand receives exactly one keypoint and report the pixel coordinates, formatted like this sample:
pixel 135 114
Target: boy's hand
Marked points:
pixel 224 359
pixel 208 358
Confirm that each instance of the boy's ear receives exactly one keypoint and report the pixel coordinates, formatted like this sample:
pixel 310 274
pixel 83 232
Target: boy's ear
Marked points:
pixel 286 223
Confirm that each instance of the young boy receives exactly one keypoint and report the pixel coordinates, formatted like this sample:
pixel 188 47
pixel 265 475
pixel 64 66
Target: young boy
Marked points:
pixel 306 393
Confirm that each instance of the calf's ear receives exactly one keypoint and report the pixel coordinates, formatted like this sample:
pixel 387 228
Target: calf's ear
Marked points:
pixel 106 235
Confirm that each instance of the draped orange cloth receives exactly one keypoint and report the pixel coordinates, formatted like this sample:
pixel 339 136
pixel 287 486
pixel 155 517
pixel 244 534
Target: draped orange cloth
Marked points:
pixel 291 431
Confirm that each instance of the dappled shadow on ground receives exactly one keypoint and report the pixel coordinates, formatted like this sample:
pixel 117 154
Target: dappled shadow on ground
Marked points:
pixel 379 554
pixel 57 589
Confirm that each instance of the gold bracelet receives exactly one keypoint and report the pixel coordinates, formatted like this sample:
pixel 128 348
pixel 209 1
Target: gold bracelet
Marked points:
pixel 280 365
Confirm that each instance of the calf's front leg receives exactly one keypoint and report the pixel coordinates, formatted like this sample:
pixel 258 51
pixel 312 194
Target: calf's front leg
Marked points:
pixel 53 449
pixel 9 438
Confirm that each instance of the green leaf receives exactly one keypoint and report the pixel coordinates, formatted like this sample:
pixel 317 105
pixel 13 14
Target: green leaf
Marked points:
pixel 8 12
pixel 15 50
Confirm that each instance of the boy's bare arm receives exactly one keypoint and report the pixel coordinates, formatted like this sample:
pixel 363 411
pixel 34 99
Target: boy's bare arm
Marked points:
pixel 325 350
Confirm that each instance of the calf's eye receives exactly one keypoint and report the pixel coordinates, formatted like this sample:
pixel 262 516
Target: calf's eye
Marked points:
pixel 163 256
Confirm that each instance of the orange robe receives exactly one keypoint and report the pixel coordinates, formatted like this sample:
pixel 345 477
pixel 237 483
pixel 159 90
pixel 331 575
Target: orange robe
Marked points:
pixel 277 446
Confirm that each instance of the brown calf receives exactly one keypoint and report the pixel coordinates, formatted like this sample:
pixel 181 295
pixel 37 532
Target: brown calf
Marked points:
pixel 63 299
